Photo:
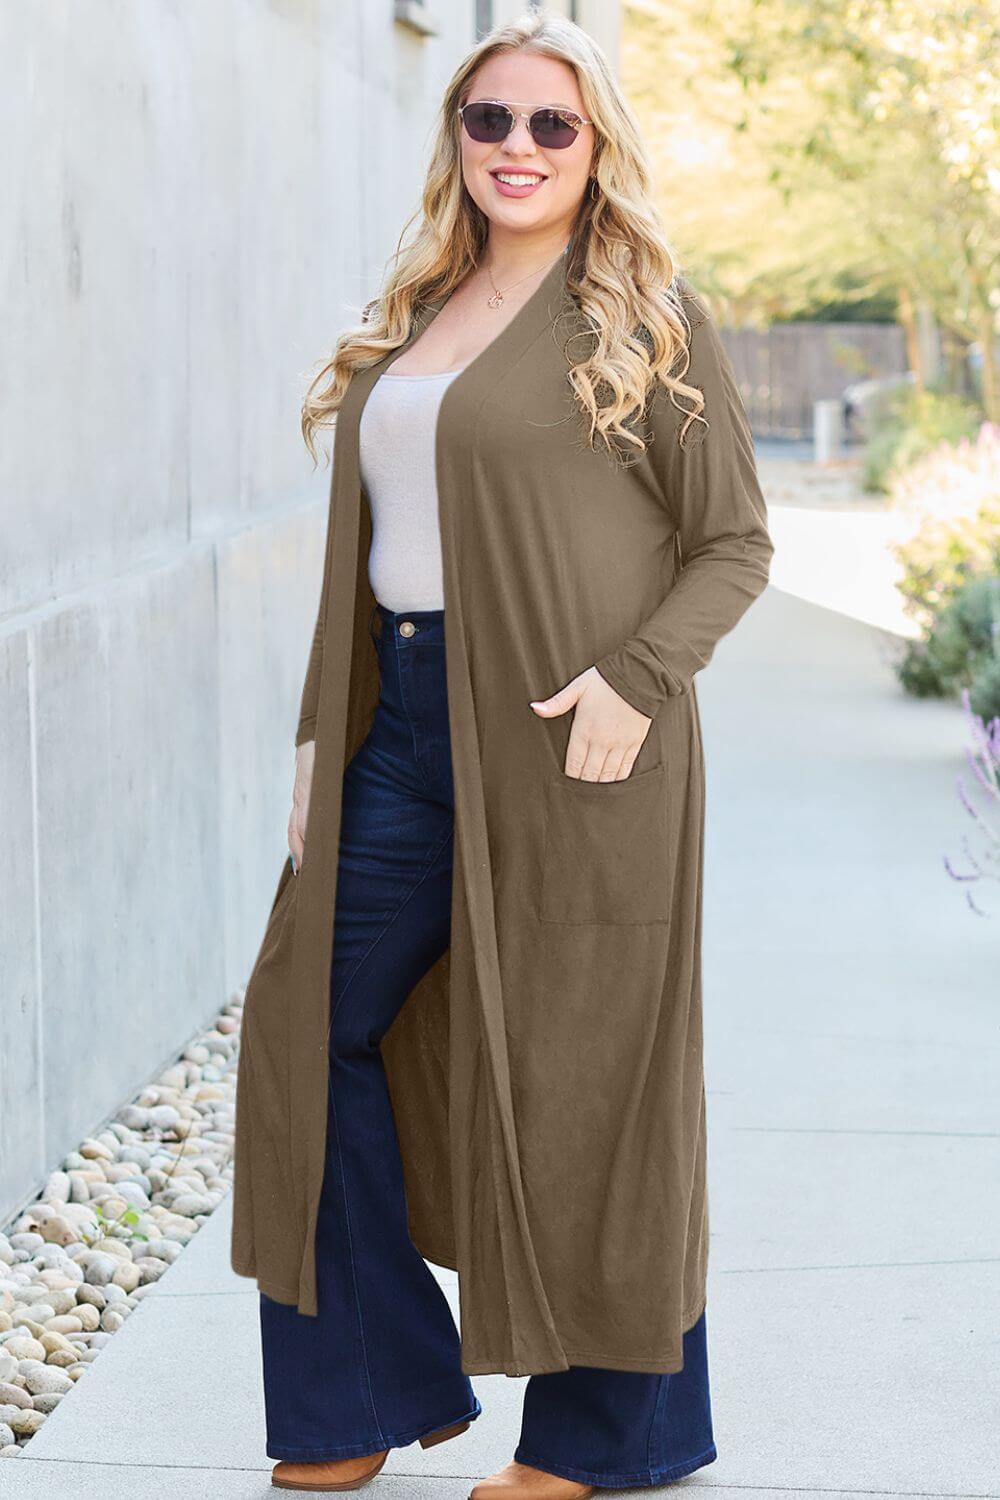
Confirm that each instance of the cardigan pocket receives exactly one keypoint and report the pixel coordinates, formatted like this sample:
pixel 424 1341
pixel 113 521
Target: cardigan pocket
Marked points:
pixel 607 853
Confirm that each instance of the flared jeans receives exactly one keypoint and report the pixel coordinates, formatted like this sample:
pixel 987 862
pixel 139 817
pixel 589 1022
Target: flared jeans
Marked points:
pixel 380 1366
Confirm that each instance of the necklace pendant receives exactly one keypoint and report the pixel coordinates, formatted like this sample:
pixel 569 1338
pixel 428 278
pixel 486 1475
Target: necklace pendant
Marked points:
pixel 496 300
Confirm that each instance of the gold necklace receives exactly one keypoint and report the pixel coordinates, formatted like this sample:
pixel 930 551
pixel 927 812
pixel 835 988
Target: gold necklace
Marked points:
pixel 497 299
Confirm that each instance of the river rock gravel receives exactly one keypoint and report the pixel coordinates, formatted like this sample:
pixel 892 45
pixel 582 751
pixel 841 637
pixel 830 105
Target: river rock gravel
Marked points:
pixel 110 1220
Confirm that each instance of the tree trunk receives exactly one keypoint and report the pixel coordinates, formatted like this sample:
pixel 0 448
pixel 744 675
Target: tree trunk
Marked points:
pixel 990 373
pixel 908 319
pixel 929 340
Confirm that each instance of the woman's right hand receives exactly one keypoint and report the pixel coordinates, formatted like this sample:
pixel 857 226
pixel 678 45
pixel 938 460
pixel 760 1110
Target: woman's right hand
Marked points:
pixel 304 757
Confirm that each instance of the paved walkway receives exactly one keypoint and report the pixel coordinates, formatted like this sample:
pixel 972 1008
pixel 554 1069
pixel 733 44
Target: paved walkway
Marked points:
pixel 852 1065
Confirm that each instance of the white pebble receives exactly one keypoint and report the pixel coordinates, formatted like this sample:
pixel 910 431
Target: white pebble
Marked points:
pixel 116 1248
pixel 24 1348
pixel 27 1422
pixel 127 1277
pixel 47 1401
pixel 137 1154
pixel 40 1313
pixel 133 1195
pixel 28 1240
pixel 63 1358
pixel 164 1117
pixel 46 1378
pixel 100 1268
pixel 57 1187
pixel 150 1268
pixel 95 1150
pixel 66 1323
pixel 190 1204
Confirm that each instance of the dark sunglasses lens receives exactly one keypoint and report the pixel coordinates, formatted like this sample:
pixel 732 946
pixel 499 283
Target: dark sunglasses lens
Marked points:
pixel 488 123
pixel 553 129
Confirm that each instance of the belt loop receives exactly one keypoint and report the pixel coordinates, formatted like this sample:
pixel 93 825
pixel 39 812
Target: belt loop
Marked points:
pixel 371 621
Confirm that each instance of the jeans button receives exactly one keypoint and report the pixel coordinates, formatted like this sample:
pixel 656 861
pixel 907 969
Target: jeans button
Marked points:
pixel 407 627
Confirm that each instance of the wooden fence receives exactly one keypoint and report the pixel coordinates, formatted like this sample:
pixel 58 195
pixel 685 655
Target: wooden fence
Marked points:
pixel 783 369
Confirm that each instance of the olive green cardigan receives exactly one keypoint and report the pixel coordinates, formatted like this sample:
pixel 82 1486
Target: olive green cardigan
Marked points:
pixel 546 1074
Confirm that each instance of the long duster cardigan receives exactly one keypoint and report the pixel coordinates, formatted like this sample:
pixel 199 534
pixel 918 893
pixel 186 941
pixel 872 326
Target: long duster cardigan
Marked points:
pixel 546 1074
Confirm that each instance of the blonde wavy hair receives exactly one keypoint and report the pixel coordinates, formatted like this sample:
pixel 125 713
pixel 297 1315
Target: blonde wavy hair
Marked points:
pixel 621 272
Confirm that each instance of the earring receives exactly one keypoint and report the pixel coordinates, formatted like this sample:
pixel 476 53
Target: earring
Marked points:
pixel 594 185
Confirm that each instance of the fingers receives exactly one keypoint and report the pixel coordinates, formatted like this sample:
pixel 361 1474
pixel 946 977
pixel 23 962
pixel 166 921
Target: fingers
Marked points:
pixel 589 761
pixel 300 803
pixel 296 843
pixel 561 702
pixel 625 764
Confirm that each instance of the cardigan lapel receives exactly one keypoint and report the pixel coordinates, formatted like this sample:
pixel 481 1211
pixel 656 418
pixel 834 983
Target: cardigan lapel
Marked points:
pixel 531 319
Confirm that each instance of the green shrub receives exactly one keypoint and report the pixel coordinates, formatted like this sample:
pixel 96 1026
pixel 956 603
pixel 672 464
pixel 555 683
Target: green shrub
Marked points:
pixel 961 648
pixel 916 421
pixel 984 691
pixel 942 556
pixel 950 561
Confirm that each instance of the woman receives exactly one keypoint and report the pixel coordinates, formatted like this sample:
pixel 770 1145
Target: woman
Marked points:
pixel 473 1031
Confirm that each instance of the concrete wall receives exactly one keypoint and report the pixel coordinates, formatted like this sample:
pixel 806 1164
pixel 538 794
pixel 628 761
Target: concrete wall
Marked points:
pixel 190 212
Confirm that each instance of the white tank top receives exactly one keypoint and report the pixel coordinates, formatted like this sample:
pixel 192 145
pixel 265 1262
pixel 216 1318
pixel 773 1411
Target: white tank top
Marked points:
pixel 396 451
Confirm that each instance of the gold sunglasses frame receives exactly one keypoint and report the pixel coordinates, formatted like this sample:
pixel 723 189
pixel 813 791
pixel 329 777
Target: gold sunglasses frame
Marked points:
pixel 516 115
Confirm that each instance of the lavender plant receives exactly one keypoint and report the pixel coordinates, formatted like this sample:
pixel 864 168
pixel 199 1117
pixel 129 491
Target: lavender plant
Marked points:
pixel 983 755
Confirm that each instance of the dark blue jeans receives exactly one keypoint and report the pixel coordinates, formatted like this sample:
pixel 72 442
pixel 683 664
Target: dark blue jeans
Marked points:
pixel 380 1365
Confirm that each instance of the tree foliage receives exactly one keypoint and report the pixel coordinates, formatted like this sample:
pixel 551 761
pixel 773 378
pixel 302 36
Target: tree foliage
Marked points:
pixel 823 150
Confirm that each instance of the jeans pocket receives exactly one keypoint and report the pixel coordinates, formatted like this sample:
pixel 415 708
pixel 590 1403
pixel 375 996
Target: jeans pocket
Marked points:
pixel 608 851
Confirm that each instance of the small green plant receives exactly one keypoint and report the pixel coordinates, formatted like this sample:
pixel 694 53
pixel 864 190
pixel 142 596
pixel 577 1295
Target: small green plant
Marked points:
pixel 961 649
pixel 129 1216
pixel 106 1226
pixel 916 421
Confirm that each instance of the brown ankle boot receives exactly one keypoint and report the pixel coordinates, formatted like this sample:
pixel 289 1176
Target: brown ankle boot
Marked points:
pixel 346 1473
pixel 332 1474
pixel 521 1482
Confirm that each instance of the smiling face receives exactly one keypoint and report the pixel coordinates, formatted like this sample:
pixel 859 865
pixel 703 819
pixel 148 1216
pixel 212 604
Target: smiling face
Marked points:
pixel 518 184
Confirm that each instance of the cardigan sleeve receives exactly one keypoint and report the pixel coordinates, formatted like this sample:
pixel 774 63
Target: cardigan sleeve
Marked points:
pixel 711 491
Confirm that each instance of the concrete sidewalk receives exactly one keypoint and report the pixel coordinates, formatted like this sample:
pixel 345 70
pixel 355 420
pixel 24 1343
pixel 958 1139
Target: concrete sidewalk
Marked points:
pixel 852 1068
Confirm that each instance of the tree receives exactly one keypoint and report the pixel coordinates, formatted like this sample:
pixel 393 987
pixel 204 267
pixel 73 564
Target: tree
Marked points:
pixel 831 148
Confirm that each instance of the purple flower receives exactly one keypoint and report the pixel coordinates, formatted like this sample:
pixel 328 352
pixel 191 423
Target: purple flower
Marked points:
pixel 983 756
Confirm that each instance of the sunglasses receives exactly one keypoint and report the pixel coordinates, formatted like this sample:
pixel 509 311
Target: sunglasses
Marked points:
pixel 490 121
